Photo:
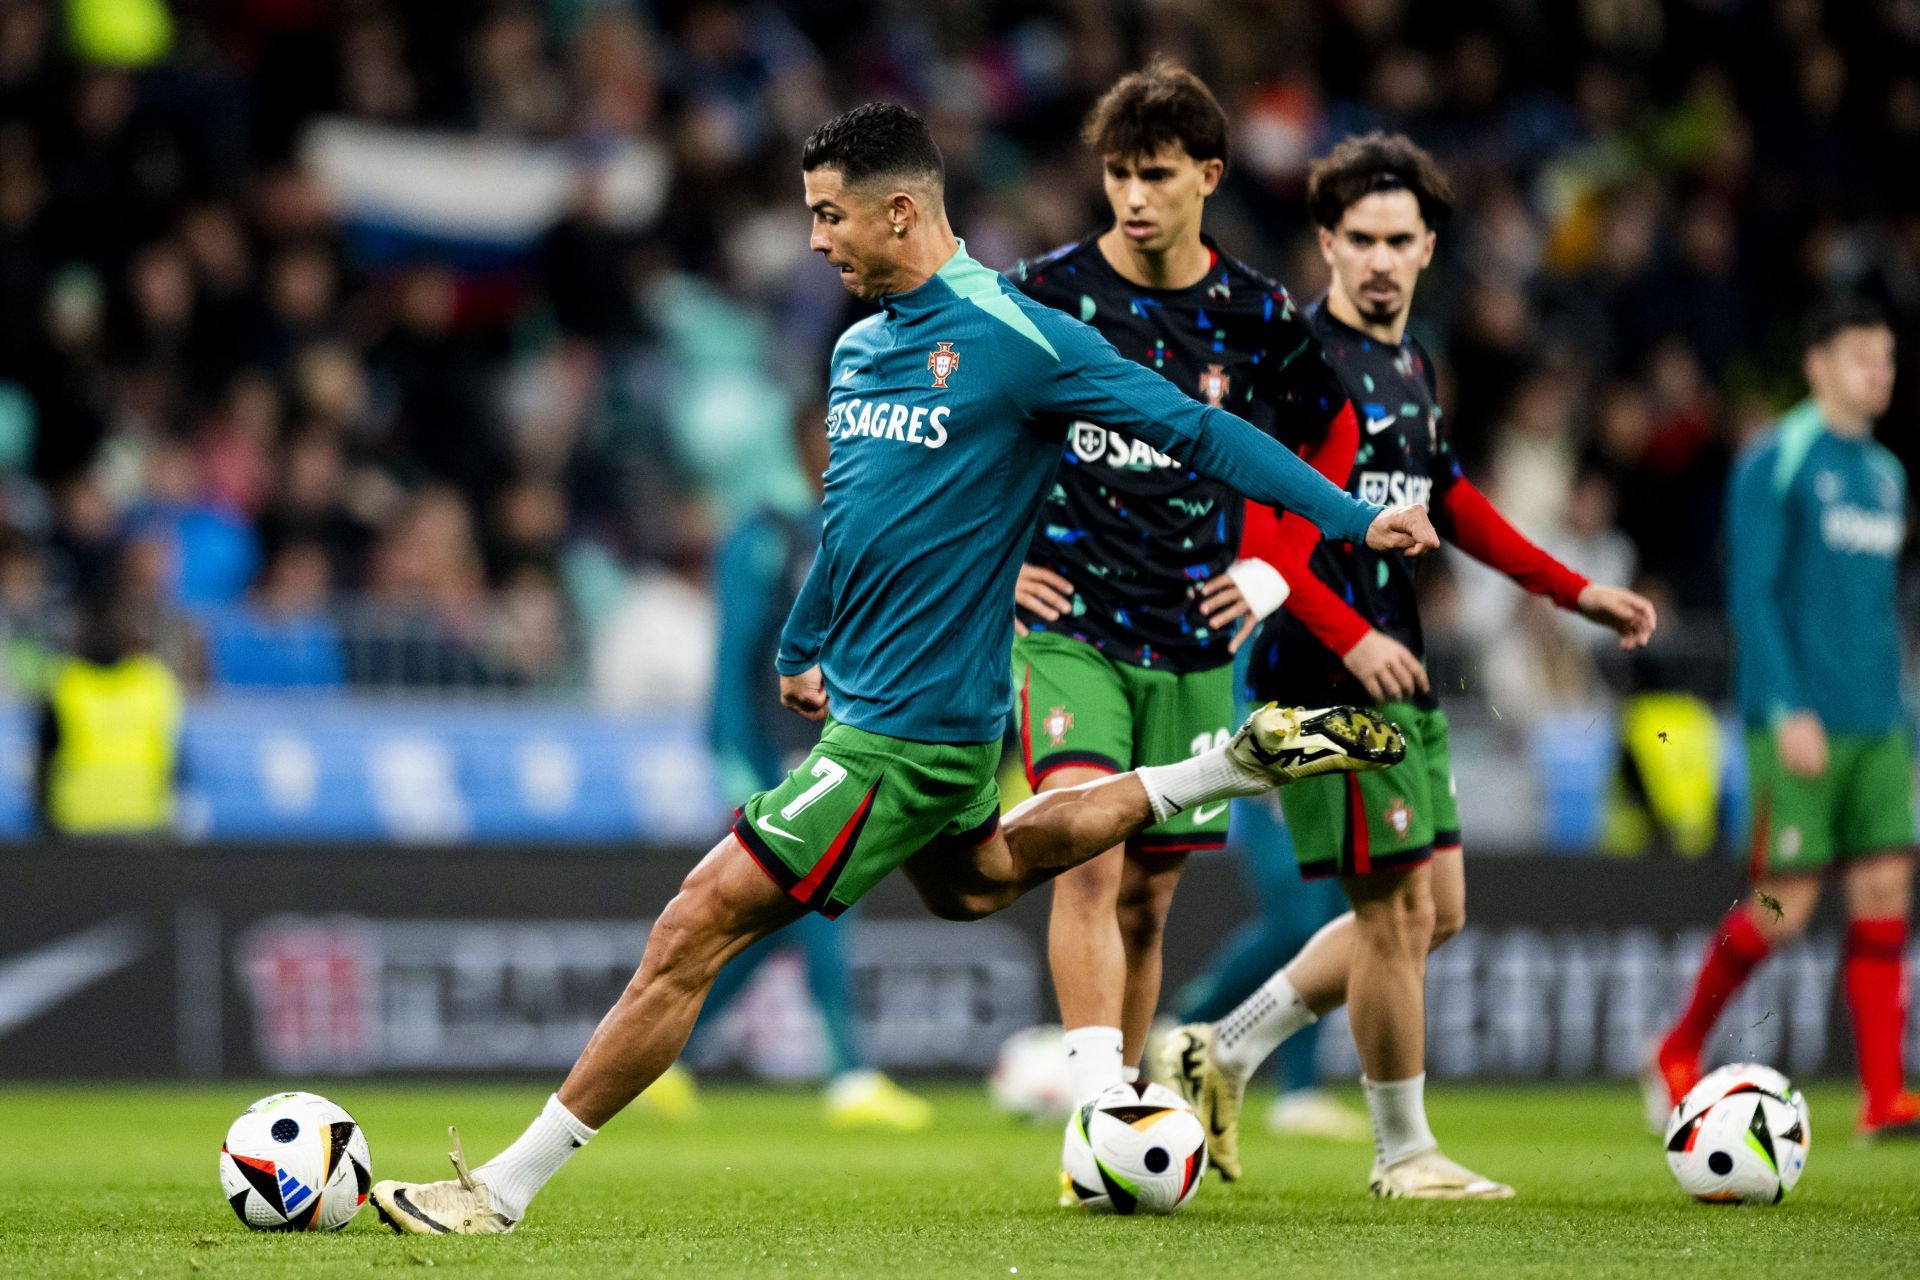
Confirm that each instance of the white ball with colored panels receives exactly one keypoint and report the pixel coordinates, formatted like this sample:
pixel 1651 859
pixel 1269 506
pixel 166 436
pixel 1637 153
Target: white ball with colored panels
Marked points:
pixel 1137 1148
pixel 1740 1136
pixel 295 1162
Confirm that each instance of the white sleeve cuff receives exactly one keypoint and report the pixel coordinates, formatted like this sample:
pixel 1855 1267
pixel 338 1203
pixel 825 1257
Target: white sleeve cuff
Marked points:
pixel 1261 586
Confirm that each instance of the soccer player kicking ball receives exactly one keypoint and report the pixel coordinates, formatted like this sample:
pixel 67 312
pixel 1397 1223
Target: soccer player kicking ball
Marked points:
pixel 1129 598
pixel 1351 626
pixel 946 414
pixel 1815 521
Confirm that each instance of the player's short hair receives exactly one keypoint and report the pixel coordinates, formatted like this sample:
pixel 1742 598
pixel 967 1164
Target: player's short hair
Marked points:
pixel 1371 162
pixel 1835 316
pixel 875 141
pixel 1147 109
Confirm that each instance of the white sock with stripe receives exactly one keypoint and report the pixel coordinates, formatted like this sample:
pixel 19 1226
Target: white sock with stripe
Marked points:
pixel 516 1175
pixel 1212 775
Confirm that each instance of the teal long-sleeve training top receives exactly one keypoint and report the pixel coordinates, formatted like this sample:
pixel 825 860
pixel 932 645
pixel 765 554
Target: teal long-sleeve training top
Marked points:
pixel 946 417
pixel 1815 522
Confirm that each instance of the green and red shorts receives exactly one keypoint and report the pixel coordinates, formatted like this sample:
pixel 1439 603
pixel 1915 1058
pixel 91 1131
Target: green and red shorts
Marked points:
pixel 863 803
pixel 1080 709
pixel 1862 804
pixel 1356 824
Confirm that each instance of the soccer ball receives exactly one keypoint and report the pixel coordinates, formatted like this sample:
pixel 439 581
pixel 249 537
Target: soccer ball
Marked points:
pixel 1029 1076
pixel 295 1162
pixel 1740 1136
pixel 1137 1148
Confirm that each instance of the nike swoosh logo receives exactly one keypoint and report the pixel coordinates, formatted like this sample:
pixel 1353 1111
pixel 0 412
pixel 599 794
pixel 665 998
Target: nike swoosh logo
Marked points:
pixel 770 829
pixel 35 981
pixel 1376 425
pixel 400 1199
pixel 1207 813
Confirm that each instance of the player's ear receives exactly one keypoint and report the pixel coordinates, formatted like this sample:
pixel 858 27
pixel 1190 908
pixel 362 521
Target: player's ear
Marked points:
pixel 902 210
pixel 1211 171
pixel 1426 256
pixel 1326 245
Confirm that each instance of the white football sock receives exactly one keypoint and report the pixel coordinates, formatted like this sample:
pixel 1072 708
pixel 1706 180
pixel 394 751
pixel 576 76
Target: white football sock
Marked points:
pixel 1399 1110
pixel 1093 1061
pixel 1258 1025
pixel 1214 775
pixel 1129 1075
pixel 517 1174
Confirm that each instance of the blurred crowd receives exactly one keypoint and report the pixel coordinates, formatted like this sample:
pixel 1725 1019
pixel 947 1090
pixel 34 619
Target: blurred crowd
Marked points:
pixel 327 449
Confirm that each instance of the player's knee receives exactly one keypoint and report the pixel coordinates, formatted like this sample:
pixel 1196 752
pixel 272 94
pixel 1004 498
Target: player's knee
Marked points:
pixel 1448 920
pixel 684 942
pixel 1398 924
pixel 1086 892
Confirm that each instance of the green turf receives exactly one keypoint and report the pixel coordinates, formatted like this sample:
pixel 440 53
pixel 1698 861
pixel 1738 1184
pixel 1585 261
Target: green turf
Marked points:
pixel 122 1182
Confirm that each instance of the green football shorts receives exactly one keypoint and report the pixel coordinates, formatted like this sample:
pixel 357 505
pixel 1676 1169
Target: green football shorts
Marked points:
pixel 1353 824
pixel 1080 708
pixel 1862 805
pixel 863 803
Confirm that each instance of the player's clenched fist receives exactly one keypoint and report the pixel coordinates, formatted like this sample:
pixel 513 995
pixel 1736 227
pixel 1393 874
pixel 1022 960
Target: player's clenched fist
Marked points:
pixel 805 693
pixel 1403 529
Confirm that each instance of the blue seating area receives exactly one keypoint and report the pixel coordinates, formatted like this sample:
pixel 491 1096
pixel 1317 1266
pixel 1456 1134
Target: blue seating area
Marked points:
pixel 336 769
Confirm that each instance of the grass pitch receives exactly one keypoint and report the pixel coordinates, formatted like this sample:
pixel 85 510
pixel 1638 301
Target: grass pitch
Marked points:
pixel 122 1181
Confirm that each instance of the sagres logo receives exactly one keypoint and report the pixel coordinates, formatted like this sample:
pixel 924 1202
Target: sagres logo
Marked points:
pixel 1214 384
pixel 1400 817
pixel 1394 488
pixel 1058 721
pixel 1093 443
pixel 943 360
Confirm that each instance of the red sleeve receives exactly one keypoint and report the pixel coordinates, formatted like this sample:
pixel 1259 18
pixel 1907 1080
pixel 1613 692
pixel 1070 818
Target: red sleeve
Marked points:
pixel 1478 529
pixel 1287 541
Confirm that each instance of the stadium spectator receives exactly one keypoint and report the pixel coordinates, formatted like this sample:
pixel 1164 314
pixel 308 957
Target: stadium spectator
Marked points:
pixel 109 734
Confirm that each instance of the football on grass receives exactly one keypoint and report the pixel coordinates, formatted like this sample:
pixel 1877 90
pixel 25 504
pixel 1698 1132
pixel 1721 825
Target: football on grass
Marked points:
pixel 1137 1148
pixel 1740 1136
pixel 295 1162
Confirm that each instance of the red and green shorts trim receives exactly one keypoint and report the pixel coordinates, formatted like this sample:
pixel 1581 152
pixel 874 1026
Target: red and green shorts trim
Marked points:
pixel 1078 708
pixel 1357 824
pixel 860 805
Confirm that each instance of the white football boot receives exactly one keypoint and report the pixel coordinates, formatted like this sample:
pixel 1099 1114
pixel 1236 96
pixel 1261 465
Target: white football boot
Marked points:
pixel 1431 1176
pixel 459 1206
pixel 1186 1063
pixel 1290 743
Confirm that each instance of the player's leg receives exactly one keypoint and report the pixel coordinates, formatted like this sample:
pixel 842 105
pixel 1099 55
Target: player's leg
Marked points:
pixel 1879 891
pixel 724 905
pixel 1792 844
pixel 818 841
pixel 1077 726
pixel 1360 824
pixel 1876 839
pixel 1147 885
pixel 1058 830
pixel 1088 960
pixel 1177 718
pixel 675 1094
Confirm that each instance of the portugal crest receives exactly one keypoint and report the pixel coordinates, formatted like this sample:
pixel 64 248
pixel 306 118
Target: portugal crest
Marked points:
pixel 1400 817
pixel 1213 385
pixel 1058 721
pixel 943 360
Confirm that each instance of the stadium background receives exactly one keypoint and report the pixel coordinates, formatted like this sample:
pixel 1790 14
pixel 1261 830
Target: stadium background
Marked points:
pixel 405 363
